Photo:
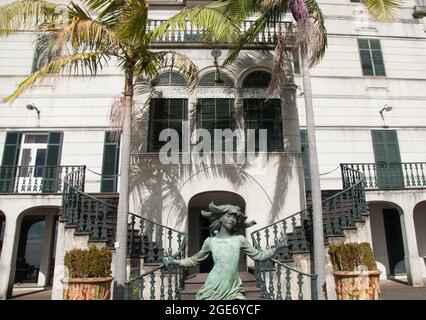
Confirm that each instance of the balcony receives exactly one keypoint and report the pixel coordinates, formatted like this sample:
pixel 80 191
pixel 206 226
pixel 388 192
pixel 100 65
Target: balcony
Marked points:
pixel 387 176
pixel 190 36
pixel 420 10
pixel 34 179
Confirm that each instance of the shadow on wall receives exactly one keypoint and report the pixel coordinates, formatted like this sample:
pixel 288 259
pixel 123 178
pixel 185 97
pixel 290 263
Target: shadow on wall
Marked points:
pixel 150 178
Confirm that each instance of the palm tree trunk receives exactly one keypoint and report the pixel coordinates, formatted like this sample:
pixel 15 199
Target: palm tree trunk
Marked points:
pixel 123 202
pixel 319 250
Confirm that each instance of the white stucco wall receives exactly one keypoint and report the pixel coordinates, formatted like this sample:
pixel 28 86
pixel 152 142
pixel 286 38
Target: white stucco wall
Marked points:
pixel 420 224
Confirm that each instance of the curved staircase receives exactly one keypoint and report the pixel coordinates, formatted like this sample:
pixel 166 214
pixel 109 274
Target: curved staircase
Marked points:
pixel 286 276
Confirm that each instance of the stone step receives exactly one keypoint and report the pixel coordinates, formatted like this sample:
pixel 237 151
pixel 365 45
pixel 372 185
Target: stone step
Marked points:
pixel 252 293
pixel 196 281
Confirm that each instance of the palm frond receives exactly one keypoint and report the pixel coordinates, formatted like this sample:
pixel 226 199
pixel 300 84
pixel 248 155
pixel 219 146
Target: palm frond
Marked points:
pixel 84 33
pixel 218 19
pixel 249 35
pixel 313 33
pixel 384 10
pixel 156 62
pixel 27 15
pixel 77 64
pixel 107 11
pixel 133 20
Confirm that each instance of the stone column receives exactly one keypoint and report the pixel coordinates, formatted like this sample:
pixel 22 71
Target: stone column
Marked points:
pixel 291 128
pixel 59 271
pixel 8 257
pixel 412 259
pixel 49 231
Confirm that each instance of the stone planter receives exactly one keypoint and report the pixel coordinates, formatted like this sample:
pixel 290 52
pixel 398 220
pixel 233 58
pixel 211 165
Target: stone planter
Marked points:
pixel 357 285
pixel 87 288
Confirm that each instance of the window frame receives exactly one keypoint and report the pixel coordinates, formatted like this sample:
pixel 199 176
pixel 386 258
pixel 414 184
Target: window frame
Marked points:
pixel 371 57
pixel 277 117
pixel 154 146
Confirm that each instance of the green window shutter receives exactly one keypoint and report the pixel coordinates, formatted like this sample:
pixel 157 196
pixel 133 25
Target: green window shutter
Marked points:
pixel 11 148
pixel 305 158
pixel 53 161
pixel 388 159
pixel 110 163
pixel 54 148
pixel 10 159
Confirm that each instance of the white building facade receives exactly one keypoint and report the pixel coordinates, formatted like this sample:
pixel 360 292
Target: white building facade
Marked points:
pixel 367 94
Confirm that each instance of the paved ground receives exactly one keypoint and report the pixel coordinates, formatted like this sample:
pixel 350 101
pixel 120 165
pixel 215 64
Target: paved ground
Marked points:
pixel 390 290
pixel 31 294
pixel 400 290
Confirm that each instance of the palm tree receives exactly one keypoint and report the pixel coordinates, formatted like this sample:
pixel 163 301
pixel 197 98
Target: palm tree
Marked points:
pixel 81 40
pixel 311 37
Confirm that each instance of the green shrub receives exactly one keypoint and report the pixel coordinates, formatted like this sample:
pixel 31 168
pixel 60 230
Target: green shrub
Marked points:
pixel 88 263
pixel 348 256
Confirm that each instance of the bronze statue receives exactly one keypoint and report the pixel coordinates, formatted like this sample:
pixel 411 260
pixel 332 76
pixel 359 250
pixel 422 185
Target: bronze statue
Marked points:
pixel 223 281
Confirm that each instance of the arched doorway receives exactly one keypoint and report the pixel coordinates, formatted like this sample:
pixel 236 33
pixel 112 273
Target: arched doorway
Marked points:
pixel 198 227
pixel 34 259
pixel 29 249
pixel 419 213
pixel 387 236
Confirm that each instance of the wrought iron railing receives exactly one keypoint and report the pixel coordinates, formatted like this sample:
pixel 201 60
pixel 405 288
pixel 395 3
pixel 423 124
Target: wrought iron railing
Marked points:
pixel 405 175
pixel 159 283
pixel 340 211
pixel 273 277
pixel 98 219
pixel 148 241
pixel 88 214
pixel 34 179
pixel 279 281
pixel 152 240
pixel 192 34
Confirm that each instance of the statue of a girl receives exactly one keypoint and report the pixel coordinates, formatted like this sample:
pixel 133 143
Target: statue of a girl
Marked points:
pixel 223 281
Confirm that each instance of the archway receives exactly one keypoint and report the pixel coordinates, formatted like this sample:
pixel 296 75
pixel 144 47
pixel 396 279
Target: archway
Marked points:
pixel 34 256
pixel 198 229
pixel 387 236
pixel 419 213
pixel 29 249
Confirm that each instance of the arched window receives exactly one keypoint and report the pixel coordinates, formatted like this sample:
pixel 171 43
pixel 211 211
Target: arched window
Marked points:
pixel 262 113
pixel 166 113
pixel 257 79
pixel 215 79
pixel 170 79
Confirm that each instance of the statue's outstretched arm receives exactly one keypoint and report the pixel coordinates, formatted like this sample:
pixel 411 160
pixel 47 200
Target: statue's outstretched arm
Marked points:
pixel 258 255
pixel 191 261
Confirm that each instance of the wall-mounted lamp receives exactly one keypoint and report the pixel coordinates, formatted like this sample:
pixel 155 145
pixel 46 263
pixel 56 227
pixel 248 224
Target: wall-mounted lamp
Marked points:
pixel 385 108
pixel 32 106
pixel 216 53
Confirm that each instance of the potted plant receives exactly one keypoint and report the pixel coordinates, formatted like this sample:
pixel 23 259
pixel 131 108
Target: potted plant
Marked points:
pixel 355 271
pixel 89 274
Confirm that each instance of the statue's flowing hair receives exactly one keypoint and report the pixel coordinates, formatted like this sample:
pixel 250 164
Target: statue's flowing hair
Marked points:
pixel 218 211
